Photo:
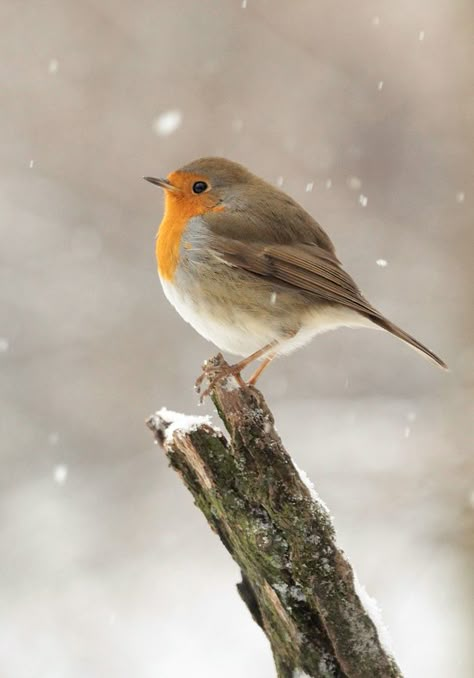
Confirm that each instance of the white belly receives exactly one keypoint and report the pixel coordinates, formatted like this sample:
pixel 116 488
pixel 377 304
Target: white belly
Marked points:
pixel 240 338
pixel 248 334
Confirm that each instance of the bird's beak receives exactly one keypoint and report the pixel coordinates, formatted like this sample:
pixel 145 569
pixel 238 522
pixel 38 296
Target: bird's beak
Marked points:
pixel 163 183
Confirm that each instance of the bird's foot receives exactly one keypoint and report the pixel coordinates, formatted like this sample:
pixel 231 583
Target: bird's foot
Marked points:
pixel 215 370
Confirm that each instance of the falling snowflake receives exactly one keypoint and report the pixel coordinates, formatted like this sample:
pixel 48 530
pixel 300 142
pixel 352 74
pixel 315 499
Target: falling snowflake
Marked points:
pixel 328 184
pixel 53 66
pixel 309 186
pixel 382 263
pixel 380 85
pixel 460 196
pixel 279 181
pixel 166 123
pixel 4 344
pixel 60 474
pixel 363 200
pixel 421 36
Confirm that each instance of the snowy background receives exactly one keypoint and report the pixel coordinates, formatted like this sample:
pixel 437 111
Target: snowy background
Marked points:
pixel 363 112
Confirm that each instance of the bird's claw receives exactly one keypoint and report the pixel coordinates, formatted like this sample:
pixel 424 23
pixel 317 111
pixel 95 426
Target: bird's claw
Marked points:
pixel 215 374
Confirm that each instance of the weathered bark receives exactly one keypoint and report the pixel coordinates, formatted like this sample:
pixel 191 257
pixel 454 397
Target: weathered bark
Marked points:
pixel 296 582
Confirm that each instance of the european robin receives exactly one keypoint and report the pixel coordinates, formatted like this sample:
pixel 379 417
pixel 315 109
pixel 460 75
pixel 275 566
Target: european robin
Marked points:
pixel 250 269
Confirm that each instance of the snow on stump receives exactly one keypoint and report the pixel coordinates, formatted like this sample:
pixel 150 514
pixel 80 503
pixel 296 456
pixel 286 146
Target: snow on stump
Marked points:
pixel 296 582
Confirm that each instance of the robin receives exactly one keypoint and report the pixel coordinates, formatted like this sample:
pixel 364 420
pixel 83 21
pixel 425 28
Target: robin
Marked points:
pixel 251 270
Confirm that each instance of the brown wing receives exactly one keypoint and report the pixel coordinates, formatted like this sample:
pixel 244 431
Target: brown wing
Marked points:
pixel 313 270
pixel 307 268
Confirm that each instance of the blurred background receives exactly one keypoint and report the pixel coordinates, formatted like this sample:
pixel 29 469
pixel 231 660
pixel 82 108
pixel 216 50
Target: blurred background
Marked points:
pixel 364 113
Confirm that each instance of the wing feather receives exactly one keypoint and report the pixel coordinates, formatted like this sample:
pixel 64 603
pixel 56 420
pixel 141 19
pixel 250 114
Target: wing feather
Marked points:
pixel 306 268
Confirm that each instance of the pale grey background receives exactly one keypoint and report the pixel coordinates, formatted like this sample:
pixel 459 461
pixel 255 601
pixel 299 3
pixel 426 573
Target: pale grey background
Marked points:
pixel 106 567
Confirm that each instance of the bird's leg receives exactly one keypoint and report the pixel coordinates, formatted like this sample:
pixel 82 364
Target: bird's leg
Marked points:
pixel 263 365
pixel 242 364
pixel 233 370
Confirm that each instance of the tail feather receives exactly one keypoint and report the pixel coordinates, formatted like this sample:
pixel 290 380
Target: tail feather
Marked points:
pixel 407 338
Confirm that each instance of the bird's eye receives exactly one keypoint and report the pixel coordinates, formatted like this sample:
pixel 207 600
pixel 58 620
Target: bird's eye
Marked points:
pixel 199 186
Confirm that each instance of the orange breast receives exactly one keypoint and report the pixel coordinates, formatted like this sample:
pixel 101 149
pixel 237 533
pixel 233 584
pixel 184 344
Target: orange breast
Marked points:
pixel 179 209
pixel 169 238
